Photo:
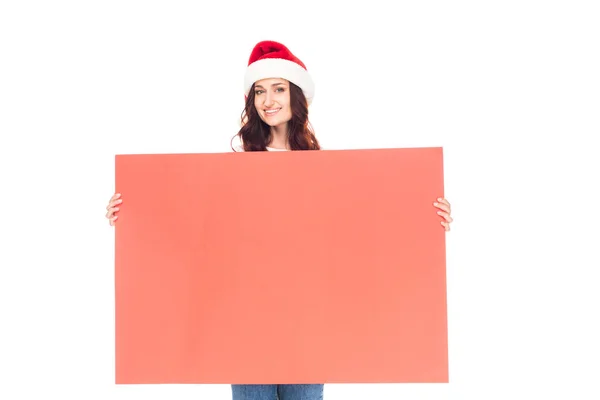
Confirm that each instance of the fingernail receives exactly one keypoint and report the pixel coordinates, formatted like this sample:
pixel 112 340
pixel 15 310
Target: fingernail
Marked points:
pixel 118 194
pixel 435 204
pixel 439 199
pixel 439 212
pixel 119 201
pixel 117 209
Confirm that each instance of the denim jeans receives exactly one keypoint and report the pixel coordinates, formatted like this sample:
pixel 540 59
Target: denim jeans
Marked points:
pixel 277 392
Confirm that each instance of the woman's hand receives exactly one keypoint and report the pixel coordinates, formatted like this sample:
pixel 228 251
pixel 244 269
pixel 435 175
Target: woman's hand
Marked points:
pixel 112 208
pixel 444 212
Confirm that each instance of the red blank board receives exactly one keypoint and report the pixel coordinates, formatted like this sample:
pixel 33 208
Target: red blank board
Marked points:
pixel 281 267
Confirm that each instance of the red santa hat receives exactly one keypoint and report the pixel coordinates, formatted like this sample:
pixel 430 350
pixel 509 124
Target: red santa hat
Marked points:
pixel 273 60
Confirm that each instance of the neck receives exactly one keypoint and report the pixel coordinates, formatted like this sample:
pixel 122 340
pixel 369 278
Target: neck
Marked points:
pixel 279 137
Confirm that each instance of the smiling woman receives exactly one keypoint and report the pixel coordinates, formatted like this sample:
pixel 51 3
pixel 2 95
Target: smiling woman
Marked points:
pixel 278 93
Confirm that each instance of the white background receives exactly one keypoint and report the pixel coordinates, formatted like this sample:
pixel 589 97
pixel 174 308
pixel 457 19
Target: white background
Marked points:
pixel 510 89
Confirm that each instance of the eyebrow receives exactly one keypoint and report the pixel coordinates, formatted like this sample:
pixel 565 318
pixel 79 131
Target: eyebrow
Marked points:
pixel 275 84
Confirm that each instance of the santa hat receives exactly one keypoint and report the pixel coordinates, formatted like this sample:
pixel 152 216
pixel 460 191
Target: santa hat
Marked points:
pixel 273 60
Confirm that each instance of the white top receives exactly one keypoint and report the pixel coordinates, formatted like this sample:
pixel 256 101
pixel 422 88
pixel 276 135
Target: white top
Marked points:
pixel 274 149
pixel 241 149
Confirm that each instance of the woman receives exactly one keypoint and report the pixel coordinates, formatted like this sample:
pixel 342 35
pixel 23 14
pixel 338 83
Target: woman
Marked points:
pixel 278 90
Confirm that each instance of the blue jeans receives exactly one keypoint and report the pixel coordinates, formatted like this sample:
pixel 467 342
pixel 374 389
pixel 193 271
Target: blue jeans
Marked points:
pixel 277 392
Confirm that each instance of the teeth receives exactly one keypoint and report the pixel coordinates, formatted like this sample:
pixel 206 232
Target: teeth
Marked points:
pixel 271 111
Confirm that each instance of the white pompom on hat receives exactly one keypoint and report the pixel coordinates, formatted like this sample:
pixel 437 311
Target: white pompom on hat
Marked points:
pixel 273 60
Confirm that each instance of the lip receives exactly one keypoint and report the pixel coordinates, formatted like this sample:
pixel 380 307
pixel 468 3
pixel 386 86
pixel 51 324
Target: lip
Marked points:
pixel 272 112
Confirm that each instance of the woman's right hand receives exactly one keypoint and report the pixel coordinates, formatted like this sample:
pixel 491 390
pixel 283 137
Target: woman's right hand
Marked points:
pixel 112 208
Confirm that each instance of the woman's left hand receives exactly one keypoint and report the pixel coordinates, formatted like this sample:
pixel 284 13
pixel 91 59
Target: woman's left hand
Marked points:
pixel 444 212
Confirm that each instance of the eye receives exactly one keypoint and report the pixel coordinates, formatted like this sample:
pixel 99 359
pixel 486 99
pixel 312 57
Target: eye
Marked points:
pixel 257 92
pixel 280 89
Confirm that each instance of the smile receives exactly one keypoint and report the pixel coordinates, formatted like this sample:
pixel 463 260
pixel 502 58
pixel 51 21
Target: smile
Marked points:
pixel 272 112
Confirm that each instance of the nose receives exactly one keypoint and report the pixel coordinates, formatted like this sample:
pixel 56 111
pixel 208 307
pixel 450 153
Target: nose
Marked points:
pixel 268 102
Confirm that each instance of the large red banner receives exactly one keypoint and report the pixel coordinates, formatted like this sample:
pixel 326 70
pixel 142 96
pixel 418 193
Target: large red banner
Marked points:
pixel 281 267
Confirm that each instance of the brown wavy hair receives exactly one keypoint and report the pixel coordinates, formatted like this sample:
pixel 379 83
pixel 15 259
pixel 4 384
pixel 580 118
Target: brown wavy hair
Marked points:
pixel 255 134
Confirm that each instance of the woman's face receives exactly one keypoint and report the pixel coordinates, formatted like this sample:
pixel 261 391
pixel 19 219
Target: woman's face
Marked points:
pixel 272 101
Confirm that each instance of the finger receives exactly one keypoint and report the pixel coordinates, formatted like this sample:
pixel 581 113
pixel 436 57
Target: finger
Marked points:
pixel 446 225
pixel 114 197
pixel 446 216
pixel 444 201
pixel 111 212
pixel 442 206
pixel 114 203
pixel 112 220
